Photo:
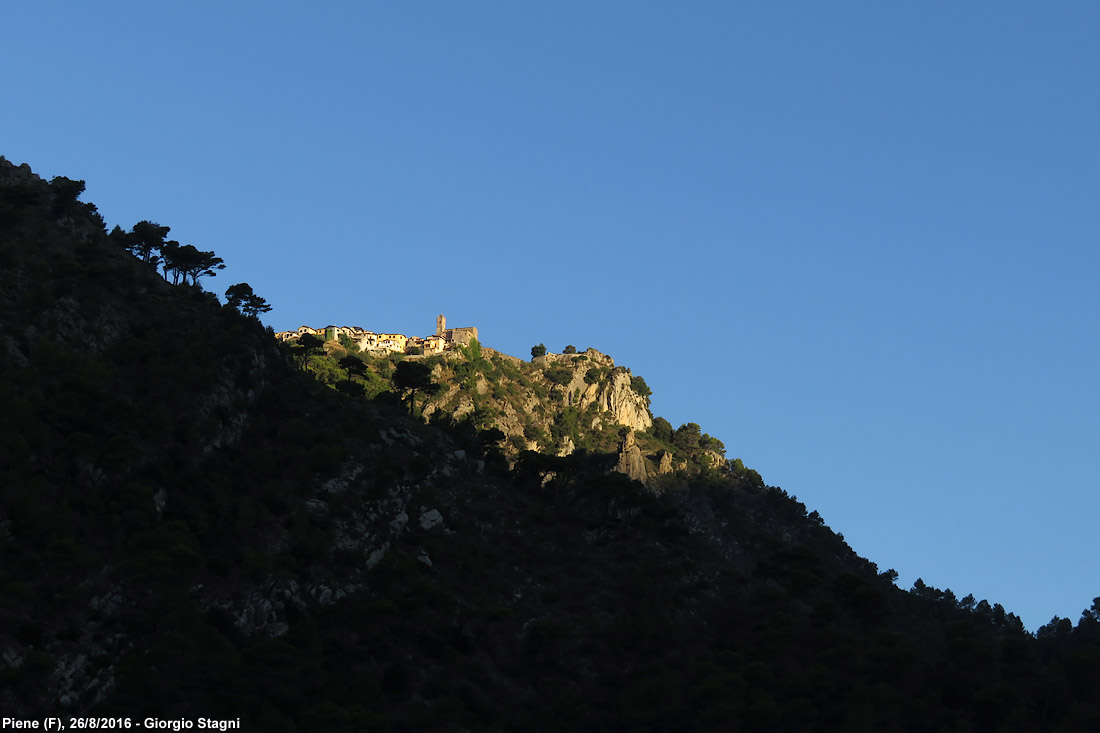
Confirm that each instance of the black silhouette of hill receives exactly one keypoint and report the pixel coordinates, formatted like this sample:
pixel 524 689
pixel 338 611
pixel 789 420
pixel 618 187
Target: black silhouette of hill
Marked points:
pixel 197 521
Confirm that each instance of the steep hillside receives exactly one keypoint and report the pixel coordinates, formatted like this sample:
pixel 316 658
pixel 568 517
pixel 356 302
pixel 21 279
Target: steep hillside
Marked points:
pixel 555 403
pixel 548 404
pixel 197 521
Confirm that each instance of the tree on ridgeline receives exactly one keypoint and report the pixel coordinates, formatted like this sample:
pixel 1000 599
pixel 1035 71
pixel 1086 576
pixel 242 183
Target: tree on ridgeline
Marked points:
pixel 538 350
pixel 146 239
pixel 169 258
pixel 194 263
pixel 241 297
pixel 66 193
pixel 662 430
pixel 120 238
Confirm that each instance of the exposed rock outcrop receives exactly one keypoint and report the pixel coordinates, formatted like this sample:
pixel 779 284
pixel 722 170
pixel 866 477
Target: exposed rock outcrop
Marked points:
pixel 528 400
pixel 626 406
pixel 631 462
pixel 10 173
pixel 567 446
pixel 431 519
pixel 613 394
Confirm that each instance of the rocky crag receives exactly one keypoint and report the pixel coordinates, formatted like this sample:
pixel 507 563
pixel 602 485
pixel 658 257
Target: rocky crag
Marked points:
pixel 555 403
pixel 526 400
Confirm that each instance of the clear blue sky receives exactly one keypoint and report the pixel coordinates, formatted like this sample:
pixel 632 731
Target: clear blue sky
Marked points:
pixel 858 242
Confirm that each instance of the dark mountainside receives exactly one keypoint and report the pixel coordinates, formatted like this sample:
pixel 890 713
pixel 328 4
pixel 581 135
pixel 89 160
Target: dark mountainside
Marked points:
pixel 199 521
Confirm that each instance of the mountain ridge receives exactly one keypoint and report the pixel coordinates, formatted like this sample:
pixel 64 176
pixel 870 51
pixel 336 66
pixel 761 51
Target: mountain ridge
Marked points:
pixel 198 520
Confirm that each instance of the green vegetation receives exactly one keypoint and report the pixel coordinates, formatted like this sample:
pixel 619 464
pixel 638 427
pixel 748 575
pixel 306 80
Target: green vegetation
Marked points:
pixel 411 378
pixel 640 387
pixel 559 374
pixel 241 297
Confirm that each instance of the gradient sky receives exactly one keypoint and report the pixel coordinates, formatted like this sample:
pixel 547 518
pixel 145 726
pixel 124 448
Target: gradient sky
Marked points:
pixel 857 242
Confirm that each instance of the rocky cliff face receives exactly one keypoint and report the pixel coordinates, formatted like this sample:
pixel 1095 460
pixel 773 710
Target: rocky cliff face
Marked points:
pixel 554 403
pixel 10 174
pixel 612 395
pixel 632 463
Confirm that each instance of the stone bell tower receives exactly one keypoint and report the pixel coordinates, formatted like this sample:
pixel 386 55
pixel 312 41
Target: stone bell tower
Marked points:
pixel 440 325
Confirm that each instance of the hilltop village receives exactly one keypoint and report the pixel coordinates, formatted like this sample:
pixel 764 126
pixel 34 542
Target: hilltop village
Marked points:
pixel 444 339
